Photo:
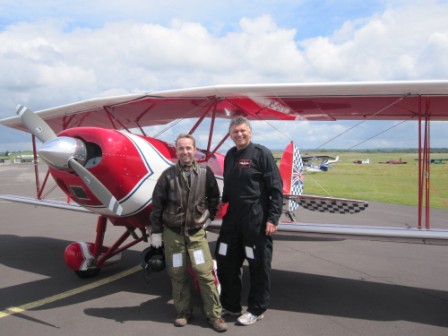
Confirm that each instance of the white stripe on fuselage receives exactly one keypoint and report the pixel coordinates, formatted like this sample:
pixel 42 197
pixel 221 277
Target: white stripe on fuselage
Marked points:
pixel 141 195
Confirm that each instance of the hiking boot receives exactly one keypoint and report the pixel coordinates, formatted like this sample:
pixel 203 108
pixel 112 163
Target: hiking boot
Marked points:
pixel 218 324
pixel 249 318
pixel 226 312
pixel 182 320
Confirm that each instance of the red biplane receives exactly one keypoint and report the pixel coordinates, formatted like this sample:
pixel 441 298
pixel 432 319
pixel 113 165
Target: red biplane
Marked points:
pixel 104 167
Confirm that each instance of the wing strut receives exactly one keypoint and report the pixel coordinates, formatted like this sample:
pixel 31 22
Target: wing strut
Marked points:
pixel 212 125
pixel 423 162
pixel 36 167
pixel 209 152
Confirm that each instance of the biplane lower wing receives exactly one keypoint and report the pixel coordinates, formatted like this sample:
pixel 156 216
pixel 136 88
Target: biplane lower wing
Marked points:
pixel 343 231
pixel 382 233
pixel 45 203
pixel 397 234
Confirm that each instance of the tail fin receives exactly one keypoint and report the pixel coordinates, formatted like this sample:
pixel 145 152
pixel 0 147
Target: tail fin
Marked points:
pixel 291 170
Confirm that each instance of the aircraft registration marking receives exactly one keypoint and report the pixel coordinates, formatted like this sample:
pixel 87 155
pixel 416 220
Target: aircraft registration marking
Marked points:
pixel 39 303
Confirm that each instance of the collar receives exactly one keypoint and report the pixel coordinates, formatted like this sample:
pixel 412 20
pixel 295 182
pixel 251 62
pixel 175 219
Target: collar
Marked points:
pixel 193 167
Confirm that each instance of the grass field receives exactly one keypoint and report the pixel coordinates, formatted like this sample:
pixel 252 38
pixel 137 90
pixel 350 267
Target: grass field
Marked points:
pixel 378 182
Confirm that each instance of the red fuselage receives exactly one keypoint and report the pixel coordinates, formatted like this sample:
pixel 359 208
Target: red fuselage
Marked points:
pixel 128 165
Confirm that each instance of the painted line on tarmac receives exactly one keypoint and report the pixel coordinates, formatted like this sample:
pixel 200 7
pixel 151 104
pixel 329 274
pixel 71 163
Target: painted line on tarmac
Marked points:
pixel 27 306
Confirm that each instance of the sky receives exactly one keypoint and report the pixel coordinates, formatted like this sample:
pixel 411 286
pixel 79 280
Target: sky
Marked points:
pixel 59 52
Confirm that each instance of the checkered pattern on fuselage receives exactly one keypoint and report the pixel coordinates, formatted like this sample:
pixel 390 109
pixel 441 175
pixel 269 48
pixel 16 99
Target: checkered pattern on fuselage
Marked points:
pixel 333 206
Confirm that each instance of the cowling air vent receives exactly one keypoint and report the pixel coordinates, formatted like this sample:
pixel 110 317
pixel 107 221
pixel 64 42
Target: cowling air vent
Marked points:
pixel 79 192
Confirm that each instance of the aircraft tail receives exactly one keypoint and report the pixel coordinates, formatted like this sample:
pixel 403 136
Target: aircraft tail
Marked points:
pixel 291 170
pixel 336 159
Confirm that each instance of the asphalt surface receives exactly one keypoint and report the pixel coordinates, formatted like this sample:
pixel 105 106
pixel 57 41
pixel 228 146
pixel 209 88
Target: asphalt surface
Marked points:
pixel 319 286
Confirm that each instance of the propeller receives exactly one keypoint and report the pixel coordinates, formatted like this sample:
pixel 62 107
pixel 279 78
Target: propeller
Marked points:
pixel 65 153
pixel 35 124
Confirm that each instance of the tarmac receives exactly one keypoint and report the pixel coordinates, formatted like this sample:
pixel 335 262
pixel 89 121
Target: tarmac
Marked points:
pixel 320 286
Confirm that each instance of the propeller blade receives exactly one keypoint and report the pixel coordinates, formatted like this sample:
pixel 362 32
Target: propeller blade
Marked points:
pixel 35 124
pixel 96 187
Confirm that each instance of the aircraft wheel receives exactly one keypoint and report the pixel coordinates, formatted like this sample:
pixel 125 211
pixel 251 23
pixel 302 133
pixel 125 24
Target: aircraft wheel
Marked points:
pixel 78 256
pixel 90 273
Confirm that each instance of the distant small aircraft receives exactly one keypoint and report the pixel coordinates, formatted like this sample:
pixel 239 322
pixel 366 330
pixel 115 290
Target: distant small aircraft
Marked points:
pixel 27 158
pixel 366 161
pixel 395 162
pixel 318 163
pixel 436 161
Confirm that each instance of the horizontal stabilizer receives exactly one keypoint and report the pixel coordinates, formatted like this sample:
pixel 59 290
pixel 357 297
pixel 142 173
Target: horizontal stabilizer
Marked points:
pixel 329 204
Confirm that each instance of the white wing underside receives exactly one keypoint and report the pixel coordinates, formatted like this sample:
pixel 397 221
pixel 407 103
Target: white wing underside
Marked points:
pixel 383 233
pixel 56 204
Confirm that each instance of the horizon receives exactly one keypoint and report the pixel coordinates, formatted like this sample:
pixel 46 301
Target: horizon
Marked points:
pixel 400 150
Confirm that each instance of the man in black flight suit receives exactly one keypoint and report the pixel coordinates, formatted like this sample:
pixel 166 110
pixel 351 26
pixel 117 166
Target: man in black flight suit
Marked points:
pixel 253 189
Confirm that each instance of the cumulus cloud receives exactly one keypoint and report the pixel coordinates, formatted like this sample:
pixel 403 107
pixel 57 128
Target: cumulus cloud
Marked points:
pixel 386 46
pixel 67 56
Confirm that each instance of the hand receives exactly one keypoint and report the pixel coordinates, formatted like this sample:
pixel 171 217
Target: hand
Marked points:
pixel 207 223
pixel 156 240
pixel 270 229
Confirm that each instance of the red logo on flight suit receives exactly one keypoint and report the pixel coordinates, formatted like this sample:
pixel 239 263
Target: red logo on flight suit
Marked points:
pixel 244 163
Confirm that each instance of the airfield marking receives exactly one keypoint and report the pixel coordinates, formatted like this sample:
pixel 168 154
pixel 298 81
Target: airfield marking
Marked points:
pixel 27 306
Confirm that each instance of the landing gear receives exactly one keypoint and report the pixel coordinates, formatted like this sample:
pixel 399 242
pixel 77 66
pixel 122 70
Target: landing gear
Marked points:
pixel 87 259
pixel 79 257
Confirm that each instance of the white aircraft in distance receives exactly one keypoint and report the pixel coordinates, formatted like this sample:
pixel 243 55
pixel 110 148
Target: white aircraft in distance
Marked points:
pixel 106 169
pixel 366 161
pixel 318 163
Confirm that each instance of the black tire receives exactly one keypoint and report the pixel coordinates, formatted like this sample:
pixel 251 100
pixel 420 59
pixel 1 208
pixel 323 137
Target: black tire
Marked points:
pixel 90 273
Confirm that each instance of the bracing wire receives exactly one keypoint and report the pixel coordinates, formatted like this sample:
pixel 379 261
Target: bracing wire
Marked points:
pixel 377 134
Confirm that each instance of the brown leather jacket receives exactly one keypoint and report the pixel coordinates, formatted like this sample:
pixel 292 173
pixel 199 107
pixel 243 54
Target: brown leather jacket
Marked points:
pixel 172 208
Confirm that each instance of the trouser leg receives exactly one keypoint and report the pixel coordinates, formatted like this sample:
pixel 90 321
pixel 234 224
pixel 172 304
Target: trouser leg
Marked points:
pixel 202 264
pixel 176 263
pixel 260 278
pixel 230 256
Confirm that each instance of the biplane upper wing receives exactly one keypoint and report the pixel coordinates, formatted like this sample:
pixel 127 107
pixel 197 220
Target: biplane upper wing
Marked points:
pixel 319 101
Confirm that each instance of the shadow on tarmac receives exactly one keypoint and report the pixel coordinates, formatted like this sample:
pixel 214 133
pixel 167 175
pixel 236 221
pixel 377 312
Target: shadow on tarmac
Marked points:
pixel 291 291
